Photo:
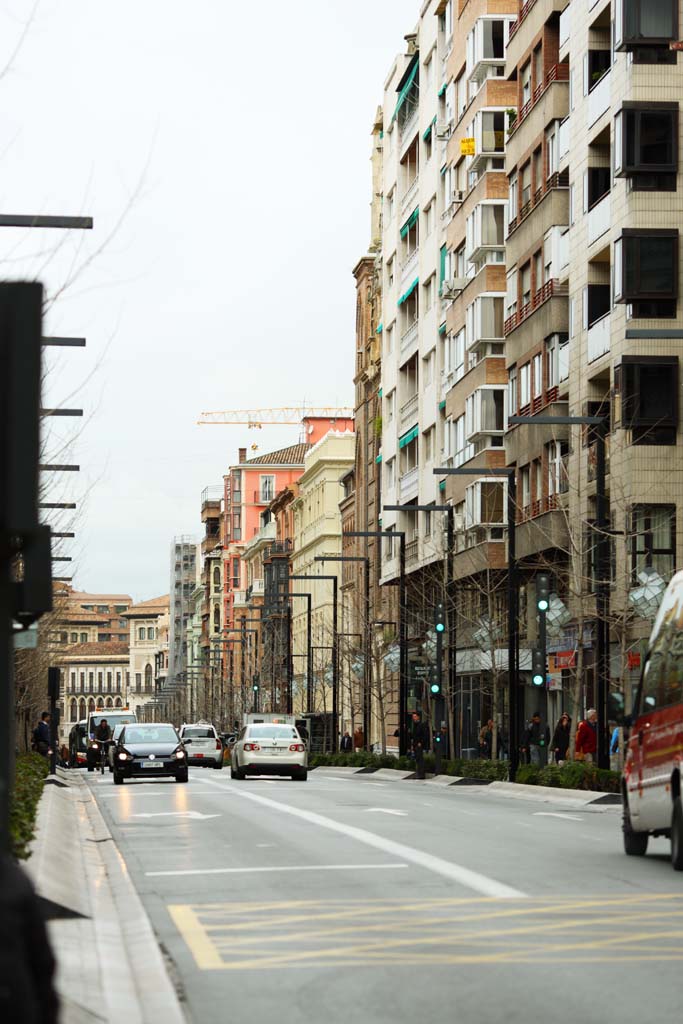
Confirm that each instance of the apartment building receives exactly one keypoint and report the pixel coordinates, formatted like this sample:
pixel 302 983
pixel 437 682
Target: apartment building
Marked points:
pixel 144 621
pixel 94 676
pixel 185 564
pixel 104 611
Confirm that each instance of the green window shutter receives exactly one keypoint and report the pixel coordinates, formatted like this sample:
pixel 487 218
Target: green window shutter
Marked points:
pixel 442 263
pixel 403 95
pixel 442 329
pixel 379 329
pixel 379 458
pixel 409 292
pixel 409 223
pixel 409 436
pixel 442 89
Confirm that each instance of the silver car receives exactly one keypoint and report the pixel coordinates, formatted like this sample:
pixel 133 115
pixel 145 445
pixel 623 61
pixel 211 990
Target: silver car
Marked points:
pixel 203 744
pixel 267 749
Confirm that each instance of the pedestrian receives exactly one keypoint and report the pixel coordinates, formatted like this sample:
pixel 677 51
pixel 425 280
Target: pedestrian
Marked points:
pixel 615 747
pixel 486 740
pixel 358 739
pixel 536 740
pixel 346 745
pixel 420 743
pixel 560 741
pixel 586 743
pixel 41 735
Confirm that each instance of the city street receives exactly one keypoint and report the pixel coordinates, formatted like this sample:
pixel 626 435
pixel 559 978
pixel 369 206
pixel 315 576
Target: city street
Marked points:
pixel 356 894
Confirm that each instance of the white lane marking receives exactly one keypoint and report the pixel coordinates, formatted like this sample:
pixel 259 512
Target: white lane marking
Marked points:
pixel 140 792
pixel 385 810
pixel 194 815
pixel 337 778
pixel 447 869
pixel 556 814
pixel 265 846
pixel 300 867
pixel 380 785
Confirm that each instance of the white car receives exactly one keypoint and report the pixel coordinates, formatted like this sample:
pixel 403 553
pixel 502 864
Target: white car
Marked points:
pixel 203 744
pixel 269 749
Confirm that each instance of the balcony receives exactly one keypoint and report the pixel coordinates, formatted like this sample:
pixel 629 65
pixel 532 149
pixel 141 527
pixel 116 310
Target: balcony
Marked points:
pixel 557 73
pixel 565 25
pixel 409 126
pixel 522 15
pixel 263 496
pixel 408 268
pixel 599 338
pixel 409 196
pixel 599 99
pixel 409 336
pixel 409 484
pixel 560 179
pixel 549 290
pixel 408 412
pixel 412 551
pixel 599 218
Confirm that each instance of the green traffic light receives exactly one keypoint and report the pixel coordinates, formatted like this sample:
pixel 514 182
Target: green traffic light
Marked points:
pixel 537 680
pixel 543 605
pixel 435 687
pixel 440 627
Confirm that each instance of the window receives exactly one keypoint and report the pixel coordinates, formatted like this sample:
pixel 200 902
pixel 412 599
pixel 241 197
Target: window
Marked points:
pixel 428 73
pixel 237 526
pixel 409 457
pixel 646 271
pixel 148 678
pixel 123 623
pixel 150 633
pixel 91 680
pixel 118 682
pixel 390 404
pixel 428 444
pixel 526 284
pixel 429 218
pixel 103 608
pixel 512 198
pixel 138 682
pixel 638 22
pixel 653 539
pixel 646 398
pixel 525 486
pixel 526 184
pixel 267 488
pixel 596 303
pixel 73 681
pixel 74 638
pixel 537 375
pixel 109 682
pixel 525 385
pixel 512 392
pixel 428 363
pixel 390 470
pixel 389 335
pixel 216 578
pixel 141 632
pixel 236 573
pixel 391 267
pixel 557 359
pixel 390 205
pixel 557 453
pixel 525 78
pixel 100 680
pixel 646 145
pixel 428 289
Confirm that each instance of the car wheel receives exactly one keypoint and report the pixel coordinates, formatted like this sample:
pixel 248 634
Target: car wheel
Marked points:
pixel 635 843
pixel 301 776
pixel 677 835
pixel 218 765
pixel 118 779
pixel 181 777
pixel 91 768
pixel 236 773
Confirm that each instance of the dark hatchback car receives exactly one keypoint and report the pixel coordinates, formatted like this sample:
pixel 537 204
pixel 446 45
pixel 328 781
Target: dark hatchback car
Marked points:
pixel 149 751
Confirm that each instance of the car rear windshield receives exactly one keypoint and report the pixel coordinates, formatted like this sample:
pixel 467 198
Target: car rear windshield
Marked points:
pixel 199 733
pixel 150 734
pixel 275 732
pixel 111 719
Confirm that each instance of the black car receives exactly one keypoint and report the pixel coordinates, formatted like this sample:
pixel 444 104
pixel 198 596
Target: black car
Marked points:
pixel 148 751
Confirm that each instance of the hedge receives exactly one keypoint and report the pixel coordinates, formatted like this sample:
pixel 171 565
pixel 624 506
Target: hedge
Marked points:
pixel 30 773
pixel 573 775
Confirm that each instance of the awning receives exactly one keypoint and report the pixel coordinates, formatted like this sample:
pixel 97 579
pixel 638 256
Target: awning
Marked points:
pixel 426 134
pixel 406 84
pixel 379 329
pixel 409 223
pixel 442 485
pixel 443 169
pixel 443 256
pixel 379 458
pixel 380 392
pixel 443 89
pixel 442 329
pixel 409 436
pixel 409 292
pixel 442 403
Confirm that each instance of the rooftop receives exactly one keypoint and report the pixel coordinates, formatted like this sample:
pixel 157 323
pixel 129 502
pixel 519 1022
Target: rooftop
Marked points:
pixel 103 649
pixel 291 456
pixel 154 606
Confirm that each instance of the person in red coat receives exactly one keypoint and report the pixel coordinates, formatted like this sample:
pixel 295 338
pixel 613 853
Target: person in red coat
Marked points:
pixel 587 737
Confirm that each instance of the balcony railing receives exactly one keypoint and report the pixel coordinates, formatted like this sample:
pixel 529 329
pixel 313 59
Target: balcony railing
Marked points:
pixel 599 218
pixel 409 264
pixel 409 335
pixel 599 99
pixel 263 497
pixel 409 195
pixel 409 408
pixel 409 125
pixel 522 15
pixel 560 179
pixel 412 551
pixel 409 482
pixel 557 73
pixel 599 338
pixel 549 290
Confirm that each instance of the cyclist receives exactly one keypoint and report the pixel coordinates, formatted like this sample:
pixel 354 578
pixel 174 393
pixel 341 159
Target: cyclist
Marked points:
pixel 103 737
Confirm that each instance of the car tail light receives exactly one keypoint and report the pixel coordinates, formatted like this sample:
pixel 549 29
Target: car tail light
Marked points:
pixel 219 745
pixel 298 747
pixel 251 746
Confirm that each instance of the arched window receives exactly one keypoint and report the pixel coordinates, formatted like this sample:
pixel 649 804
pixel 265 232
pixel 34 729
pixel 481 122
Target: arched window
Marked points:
pixel 216 578
pixel 109 703
pixel 81 710
pixel 99 704
pixel 216 618
pixel 91 705
pixel 148 678
pixel 118 703
pixel 73 711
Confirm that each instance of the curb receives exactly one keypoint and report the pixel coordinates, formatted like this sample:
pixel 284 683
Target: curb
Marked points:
pixel 548 793
pixel 108 957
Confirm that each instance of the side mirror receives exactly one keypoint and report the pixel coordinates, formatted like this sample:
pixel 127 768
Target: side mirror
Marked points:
pixel 186 741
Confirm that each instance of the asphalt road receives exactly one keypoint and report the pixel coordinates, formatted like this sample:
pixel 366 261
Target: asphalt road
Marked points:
pixel 352 896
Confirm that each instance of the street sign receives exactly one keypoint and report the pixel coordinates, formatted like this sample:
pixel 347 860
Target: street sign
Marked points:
pixel 26 639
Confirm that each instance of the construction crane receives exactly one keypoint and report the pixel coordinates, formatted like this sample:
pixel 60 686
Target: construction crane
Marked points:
pixel 257 418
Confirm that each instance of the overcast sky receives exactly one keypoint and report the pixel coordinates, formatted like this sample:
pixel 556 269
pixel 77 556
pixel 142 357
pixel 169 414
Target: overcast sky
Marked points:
pixel 223 151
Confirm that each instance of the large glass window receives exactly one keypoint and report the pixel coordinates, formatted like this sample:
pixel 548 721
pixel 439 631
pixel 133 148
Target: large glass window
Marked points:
pixel 653 539
pixel 646 391
pixel 646 269
pixel 646 139
pixel 643 22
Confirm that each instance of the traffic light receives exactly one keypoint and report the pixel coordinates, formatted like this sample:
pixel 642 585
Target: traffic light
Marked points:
pixel 255 687
pixel 537 667
pixel 434 681
pixel 439 619
pixel 543 591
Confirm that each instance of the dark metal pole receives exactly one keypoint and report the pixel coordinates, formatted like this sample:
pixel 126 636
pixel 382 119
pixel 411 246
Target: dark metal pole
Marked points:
pixel 335 667
pixel 602 596
pixel 367 662
pixel 290 663
pixel 403 649
pixel 309 654
pixel 452 618
pixel 513 647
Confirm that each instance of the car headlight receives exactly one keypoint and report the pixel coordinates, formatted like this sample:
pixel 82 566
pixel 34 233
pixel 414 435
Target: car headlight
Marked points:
pixel 95 746
pixel 123 756
pixel 179 754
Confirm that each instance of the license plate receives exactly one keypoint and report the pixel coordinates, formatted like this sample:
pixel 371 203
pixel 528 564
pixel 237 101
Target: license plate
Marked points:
pixel 199 755
pixel 275 750
pixel 152 764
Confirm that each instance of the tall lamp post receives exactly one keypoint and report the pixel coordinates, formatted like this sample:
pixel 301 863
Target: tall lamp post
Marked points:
pixel 513 596
pixel 335 657
pixel 601 527
pixel 309 652
pixel 450 582
pixel 403 630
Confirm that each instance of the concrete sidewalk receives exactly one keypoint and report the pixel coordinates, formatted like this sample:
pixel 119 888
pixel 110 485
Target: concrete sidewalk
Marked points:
pixel 109 966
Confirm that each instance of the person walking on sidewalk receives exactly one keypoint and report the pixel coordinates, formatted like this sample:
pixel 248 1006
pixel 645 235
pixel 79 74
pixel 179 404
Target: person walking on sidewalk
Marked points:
pixel 346 745
pixel 41 735
pixel 560 741
pixel 420 743
pixel 536 740
pixel 587 737
pixel 486 740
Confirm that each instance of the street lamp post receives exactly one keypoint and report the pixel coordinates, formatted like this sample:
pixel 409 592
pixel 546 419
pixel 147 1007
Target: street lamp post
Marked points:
pixel 309 645
pixel 600 425
pixel 450 582
pixel 403 631
pixel 513 598
pixel 335 658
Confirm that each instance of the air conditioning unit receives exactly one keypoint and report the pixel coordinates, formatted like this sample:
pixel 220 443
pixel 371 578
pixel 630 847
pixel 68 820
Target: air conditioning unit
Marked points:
pixel 457 195
pixel 443 131
pixel 452 286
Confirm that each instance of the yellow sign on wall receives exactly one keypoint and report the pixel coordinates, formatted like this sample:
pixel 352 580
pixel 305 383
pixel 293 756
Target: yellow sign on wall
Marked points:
pixel 467 147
